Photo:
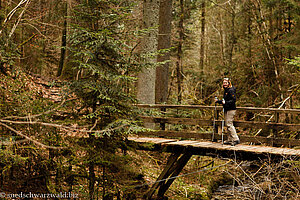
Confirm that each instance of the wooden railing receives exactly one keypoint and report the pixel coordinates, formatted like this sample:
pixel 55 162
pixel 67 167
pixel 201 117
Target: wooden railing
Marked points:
pixel 279 128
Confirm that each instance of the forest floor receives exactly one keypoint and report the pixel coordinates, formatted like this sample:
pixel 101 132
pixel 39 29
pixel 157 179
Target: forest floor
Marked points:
pixel 200 179
pixel 232 180
pixel 194 182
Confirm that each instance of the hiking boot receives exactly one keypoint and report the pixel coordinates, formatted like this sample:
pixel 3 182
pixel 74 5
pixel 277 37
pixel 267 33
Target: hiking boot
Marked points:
pixel 235 142
pixel 227 142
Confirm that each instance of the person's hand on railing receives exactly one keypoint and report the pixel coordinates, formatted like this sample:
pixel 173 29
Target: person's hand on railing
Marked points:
pixel 216 99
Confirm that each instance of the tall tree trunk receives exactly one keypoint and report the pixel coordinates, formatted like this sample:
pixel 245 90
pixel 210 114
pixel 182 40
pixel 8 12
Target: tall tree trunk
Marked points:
pixel 42 27
pixel 269 48
pixel 221 33
pixel 63 43
pixel 146 78
pixel 179 67
pixel 271 23
pixel 232 38
pixel 277 52
pixel 202 37
pixel 290 23
pixel 91 151
pixel 92 176
pixel 70 178
pixel 91 164
pixel 249 38
pixel 164 42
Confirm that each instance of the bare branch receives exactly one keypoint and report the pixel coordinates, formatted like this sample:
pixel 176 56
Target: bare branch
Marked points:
pixel 258 187
pixel 12 12
pixel 38 115
pixel 29 138
pixel 19 19
pixel 67 128
pixel 282 104
pixel 222 5
pixel 40 33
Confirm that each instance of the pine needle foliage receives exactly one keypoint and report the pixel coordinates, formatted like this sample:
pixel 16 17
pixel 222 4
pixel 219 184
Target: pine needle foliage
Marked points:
pixel 102 55
pixel 103 59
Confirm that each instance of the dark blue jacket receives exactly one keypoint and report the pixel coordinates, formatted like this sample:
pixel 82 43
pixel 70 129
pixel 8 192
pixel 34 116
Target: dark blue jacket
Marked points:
pixel 230 99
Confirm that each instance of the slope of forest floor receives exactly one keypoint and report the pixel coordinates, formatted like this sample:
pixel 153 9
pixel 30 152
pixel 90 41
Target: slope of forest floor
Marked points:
pixel 200 178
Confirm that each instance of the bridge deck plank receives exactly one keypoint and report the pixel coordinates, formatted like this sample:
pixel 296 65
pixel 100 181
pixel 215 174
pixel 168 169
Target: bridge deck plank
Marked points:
pixel 182 142
pixel 152 140
pixel 218 146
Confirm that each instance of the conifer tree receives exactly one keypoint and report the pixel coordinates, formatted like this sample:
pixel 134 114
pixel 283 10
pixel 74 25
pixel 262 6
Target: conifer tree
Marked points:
pixel 103 61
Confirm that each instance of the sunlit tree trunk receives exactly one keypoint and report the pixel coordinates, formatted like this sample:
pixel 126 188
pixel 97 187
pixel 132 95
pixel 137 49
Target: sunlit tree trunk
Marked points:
pixel 269 47
pixel 221 34
pixel 202 37
pixel 146 78
pixel 249 37
pixel 249 69
pixel 63 42
pixel 164 42
pixel 179 67
pixel 232 38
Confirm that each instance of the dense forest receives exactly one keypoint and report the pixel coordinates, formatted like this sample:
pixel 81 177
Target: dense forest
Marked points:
pixel 71 72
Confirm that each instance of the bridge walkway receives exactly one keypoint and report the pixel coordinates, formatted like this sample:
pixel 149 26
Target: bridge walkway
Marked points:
pixel 211 148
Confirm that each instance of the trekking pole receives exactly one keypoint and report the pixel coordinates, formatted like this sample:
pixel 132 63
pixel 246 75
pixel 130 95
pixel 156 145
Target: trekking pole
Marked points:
pixel 223 126
pixel 214 123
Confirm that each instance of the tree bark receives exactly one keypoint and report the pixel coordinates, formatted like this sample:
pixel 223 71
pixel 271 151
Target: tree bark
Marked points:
pixel 271 23
pixel 146 78
pixel 249 38
pixel 164 42
pixel 92 176
pixel 179 53
pixel 63 43
pixel 222 51
pixel 269 47
pixel 232 38
pixel 91 167
pixel 202 38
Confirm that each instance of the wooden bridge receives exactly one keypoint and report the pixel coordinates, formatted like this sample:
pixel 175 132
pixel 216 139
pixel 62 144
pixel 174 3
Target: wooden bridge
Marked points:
pixel 264 133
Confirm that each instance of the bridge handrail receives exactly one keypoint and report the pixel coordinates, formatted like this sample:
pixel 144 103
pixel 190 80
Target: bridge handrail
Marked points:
pixel 272 139
pixel 255 109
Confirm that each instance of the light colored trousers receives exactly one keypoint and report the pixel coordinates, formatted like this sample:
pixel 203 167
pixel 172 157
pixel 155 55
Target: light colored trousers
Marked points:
pixel 231 133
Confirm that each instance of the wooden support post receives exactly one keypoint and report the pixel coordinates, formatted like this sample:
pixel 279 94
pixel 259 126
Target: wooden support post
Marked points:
pixel 175 172
pixel 219 128
pixel 291 107
pixel 163 125
pixel 165 173
pixel 174 165
pixel 276 116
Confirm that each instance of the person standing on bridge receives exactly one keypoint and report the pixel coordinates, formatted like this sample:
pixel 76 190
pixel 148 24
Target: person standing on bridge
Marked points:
pixel 228 102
